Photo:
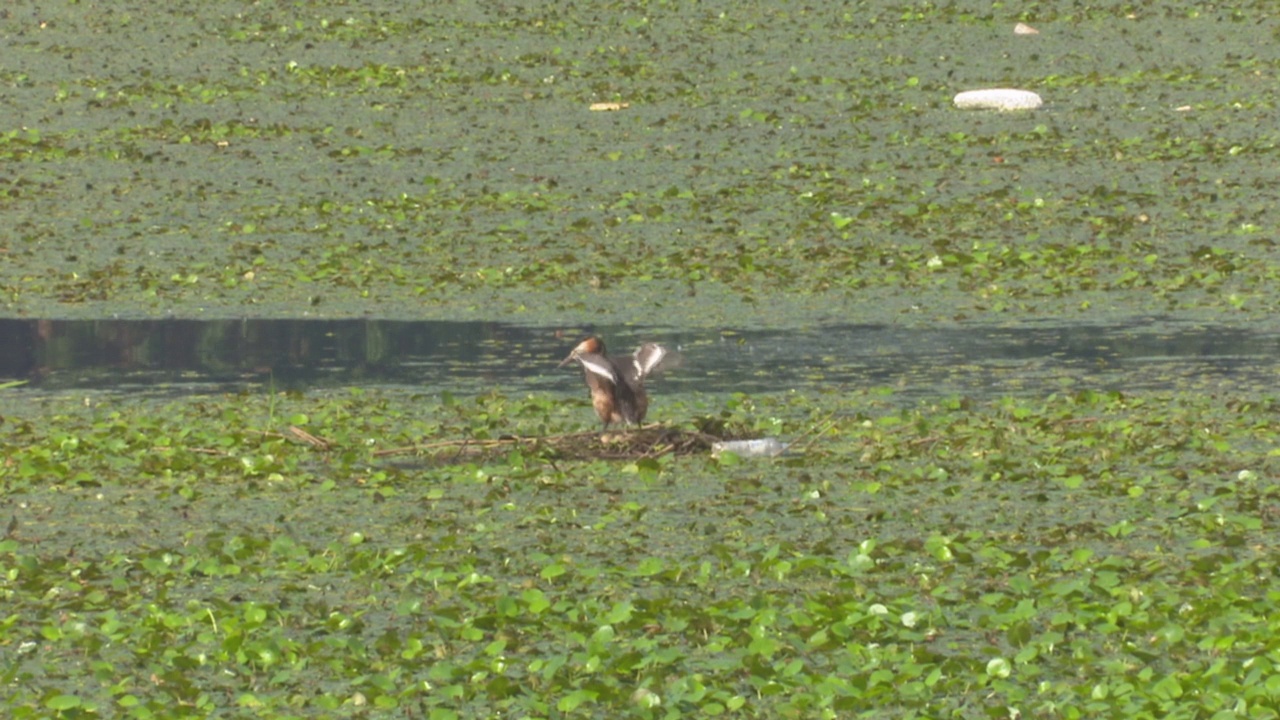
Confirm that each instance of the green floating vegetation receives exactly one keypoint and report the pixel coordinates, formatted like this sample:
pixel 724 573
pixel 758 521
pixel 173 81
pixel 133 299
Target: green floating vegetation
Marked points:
pixel 448 164
pixel 1082 555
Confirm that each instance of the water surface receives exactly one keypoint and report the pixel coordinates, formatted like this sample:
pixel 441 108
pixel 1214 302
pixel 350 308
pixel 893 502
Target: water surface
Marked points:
pixel 175 357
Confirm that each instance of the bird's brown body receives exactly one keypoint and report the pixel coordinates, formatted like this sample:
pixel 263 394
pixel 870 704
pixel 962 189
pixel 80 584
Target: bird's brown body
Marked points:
pixel 617 383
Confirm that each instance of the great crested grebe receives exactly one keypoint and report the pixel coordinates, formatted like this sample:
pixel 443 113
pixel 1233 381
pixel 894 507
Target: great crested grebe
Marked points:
pixel 617 383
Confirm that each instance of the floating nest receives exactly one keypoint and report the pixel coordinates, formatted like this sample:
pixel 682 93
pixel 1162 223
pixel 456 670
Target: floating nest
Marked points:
pixel 648 441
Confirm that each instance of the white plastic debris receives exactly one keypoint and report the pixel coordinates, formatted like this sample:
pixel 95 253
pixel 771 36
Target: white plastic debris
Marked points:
pixel 763 447
pixel 998 99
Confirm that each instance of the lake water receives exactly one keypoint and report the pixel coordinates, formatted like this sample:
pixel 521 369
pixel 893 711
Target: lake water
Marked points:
pixel 176 357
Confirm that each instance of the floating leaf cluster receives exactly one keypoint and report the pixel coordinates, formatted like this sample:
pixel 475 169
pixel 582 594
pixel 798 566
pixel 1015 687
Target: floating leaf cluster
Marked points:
pixel 1082 555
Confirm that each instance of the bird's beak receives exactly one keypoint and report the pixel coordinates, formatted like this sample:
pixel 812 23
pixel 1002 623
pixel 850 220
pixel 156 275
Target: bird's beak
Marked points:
pixel 572 356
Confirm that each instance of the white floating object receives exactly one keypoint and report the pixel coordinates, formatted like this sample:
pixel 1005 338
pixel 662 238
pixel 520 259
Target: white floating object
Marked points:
pixel 998 99
pixel 1024 29
pixel 763 447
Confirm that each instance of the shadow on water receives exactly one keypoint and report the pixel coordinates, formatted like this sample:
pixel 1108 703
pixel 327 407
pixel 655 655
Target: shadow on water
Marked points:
pixel 173 357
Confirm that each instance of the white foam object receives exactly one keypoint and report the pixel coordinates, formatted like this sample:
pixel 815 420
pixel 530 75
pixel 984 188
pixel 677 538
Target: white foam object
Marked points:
pixel 998 99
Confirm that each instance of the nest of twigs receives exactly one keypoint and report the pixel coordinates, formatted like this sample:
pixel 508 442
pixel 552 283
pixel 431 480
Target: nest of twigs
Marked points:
pixel 633 444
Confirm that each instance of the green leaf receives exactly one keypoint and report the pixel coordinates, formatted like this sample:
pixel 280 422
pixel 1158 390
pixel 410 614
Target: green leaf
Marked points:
pixel 573 700
pixel 62 702
pixel 620 613
pixel 650 566
pixel 535 600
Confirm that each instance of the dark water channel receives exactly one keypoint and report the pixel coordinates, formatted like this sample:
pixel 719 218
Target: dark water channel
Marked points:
pixel 174 357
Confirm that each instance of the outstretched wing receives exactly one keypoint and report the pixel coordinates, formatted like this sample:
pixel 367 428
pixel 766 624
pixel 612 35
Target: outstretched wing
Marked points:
pixel 647 358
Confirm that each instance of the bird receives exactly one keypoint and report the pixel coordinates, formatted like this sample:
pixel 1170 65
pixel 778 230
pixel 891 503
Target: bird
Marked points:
pixel 617 383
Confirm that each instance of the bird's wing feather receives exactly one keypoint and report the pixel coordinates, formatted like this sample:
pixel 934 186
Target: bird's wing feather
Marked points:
pixel 599 366
pixel 647 358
